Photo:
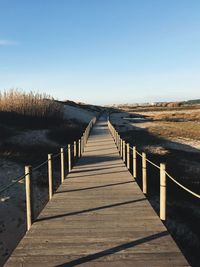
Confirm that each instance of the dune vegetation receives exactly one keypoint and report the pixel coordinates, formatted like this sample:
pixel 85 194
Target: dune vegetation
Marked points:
pixel 18 107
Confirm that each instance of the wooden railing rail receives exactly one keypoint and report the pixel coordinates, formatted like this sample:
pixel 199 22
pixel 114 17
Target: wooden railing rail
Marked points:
pixel 124 151
pixel 73 152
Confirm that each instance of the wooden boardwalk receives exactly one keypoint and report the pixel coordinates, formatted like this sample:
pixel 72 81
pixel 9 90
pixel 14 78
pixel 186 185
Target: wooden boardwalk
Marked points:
pixel 98 217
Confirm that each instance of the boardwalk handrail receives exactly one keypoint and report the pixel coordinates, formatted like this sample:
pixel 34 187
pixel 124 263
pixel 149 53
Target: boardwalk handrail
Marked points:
pixel 78 148
pixel 21 177
pixel 182 186
pixel 173 179
pixel 122 146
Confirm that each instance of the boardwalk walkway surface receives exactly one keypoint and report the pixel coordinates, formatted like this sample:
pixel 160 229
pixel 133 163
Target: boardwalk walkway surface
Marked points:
pixel 98 217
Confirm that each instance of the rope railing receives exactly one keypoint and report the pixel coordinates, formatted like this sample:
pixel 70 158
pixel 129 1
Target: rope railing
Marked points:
pixel 139 153
pixel 182 186
pixel 153 164
pixel 148 160
pixel 74 151
pixel 173 179
pixel 124 151
pixel 39 166
pixel 15 181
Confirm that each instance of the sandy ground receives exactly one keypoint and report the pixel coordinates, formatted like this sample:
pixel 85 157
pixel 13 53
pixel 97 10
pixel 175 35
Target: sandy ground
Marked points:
pixel 32 137
pixel 78 114
pixel 12 202
pixel 12 208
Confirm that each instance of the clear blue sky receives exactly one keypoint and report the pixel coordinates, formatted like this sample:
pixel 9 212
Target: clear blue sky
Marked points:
pixel 102 51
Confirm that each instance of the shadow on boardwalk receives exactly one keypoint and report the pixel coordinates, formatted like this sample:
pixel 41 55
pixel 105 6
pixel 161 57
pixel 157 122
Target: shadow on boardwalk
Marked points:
pixel 90 210
pixel 113 250
pixel 99 174
pixel 93 187
pixel 98 169
pixel 97 159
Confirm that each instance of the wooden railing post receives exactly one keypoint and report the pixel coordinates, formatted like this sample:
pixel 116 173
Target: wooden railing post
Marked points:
pixel 86 133
pixel 121 145
pixel 128 156
pixel 84 141
pixel 50 174
pixel 62 164
pixel 144 173
pixel 28 177
pixel 85 136
pixel 162 191
pixel 69 159
pixel 134 162
pixel 124 151
pixel 118 142
pixel 79 148
pixel 82 145
pixel 75 150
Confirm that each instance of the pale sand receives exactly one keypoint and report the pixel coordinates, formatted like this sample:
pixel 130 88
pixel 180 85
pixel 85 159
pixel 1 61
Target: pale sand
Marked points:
pixel 78 114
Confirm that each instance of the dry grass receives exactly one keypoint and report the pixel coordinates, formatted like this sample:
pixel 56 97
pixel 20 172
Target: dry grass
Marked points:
pixel 184 124
pixel 159 108
pixel 188 130
pixel 176 116
pixel 15 104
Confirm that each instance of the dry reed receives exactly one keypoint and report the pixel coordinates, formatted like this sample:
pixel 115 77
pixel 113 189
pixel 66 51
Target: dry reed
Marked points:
pixel 30 104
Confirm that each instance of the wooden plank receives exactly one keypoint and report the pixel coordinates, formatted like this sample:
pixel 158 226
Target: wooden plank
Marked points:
pixel 128 260
pixel 98 217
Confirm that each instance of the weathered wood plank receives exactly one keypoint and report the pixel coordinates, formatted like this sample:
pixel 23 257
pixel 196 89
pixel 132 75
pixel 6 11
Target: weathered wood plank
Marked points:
pixel 120 260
